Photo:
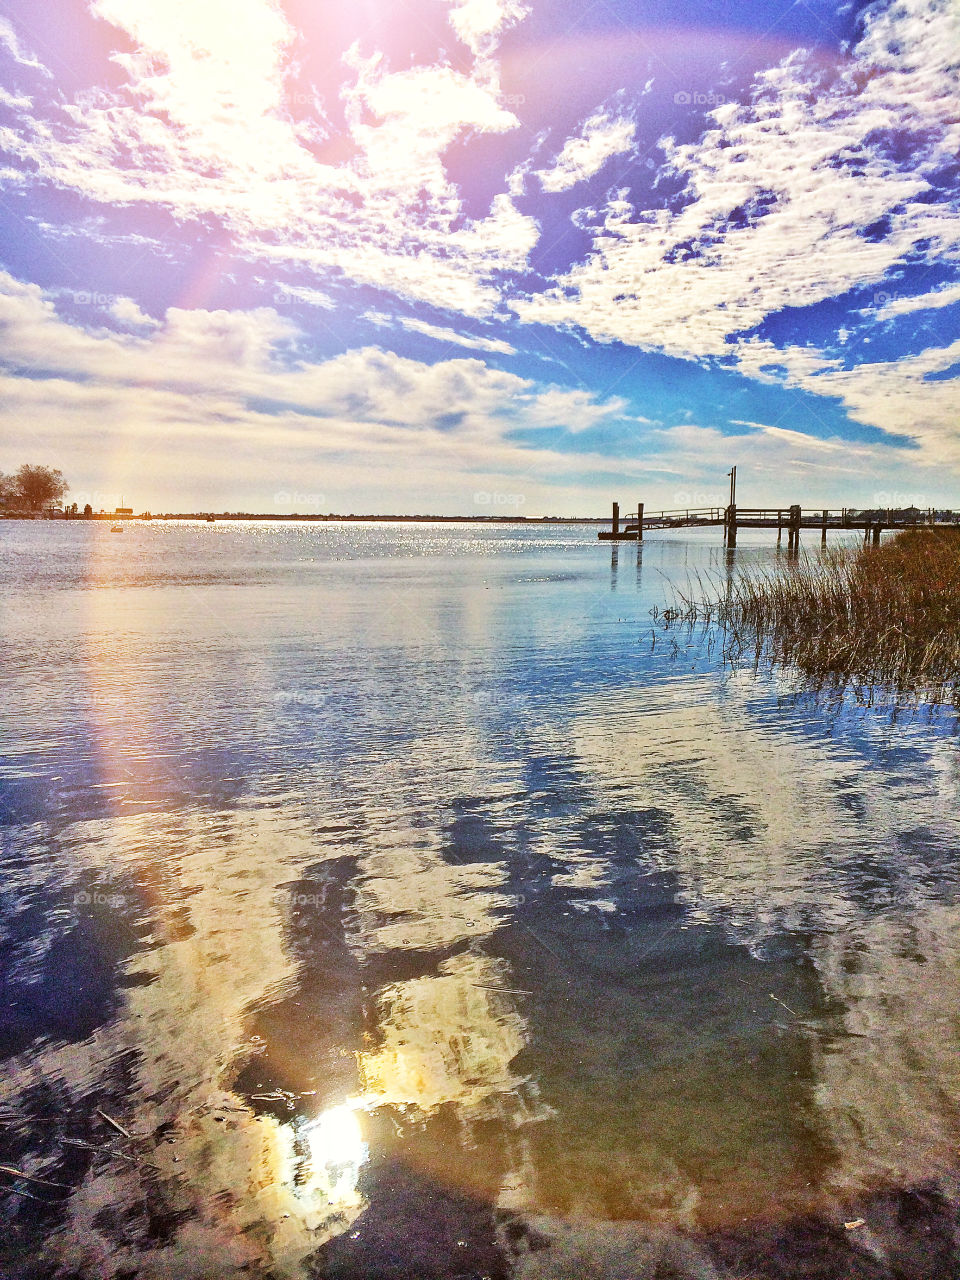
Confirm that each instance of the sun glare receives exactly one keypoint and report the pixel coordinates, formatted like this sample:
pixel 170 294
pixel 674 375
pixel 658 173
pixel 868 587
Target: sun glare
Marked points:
pixel 337 1153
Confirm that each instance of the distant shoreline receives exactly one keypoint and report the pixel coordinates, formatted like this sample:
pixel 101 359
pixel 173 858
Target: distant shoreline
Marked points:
pixel 217 517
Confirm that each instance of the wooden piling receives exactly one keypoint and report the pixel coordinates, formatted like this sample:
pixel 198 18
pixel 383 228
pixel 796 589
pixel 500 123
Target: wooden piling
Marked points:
pixel 877 529
pixel 616 519
pixel 732 525
pixel 793 543
pixel 639 521
pixel 823 530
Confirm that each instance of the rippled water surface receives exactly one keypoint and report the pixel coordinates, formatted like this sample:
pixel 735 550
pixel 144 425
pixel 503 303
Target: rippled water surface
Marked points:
pixel 421 909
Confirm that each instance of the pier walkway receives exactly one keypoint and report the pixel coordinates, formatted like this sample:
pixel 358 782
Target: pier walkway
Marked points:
pixel 793 519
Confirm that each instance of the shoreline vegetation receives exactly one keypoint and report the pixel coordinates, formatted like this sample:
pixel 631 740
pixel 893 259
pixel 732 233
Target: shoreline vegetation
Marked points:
pixel 872 616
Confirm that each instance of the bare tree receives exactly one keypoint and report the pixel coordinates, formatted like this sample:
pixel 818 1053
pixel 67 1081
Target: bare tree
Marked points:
pixel 36 487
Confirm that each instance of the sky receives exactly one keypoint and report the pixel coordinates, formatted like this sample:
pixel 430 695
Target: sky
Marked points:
pixel 481 257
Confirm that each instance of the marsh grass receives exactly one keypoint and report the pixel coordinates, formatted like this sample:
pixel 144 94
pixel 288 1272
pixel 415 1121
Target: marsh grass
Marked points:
pixel 887 615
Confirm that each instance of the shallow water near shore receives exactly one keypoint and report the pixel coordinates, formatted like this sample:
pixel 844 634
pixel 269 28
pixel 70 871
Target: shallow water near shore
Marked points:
pixel 423 909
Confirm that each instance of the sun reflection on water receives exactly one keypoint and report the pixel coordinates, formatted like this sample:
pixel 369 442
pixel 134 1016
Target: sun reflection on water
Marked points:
pixel 337 1152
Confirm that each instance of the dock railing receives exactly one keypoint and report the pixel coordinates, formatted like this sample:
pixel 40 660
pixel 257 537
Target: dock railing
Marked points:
pixel 715 514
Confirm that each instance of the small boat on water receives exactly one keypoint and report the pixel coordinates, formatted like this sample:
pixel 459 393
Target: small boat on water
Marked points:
pixel 116 528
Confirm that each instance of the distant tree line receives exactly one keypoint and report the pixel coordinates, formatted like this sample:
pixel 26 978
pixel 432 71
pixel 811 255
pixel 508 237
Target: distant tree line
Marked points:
pixel 32 490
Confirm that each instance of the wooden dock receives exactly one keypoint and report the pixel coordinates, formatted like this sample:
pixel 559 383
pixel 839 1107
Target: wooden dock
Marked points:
pixel 793 519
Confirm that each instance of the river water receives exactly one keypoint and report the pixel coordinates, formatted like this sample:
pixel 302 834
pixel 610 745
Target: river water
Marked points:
pixel 422 908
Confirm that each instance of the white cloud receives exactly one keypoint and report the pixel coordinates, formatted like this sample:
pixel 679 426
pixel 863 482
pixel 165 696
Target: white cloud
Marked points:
pixel 155 413
pixel 946 296
pixel 219 60
pixel 10 41
pixel 443 334
pixel 791 365
pixel 601 137
pixel 16 103
pixel 575 410
pixel 479 23
pixel 203 127
pixel 129 314
pixel 204 384
pixel 800 440
pixel 779 193
pixel 780 466
pixel 900 397
pixel 897 396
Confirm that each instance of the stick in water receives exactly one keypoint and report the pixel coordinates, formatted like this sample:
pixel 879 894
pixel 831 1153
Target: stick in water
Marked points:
pixel 27 1177
pixel 114 1124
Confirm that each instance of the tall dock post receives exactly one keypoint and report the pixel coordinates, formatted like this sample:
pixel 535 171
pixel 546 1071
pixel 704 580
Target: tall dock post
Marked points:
pixel 793 541
pixel 823 531
pixel 876 533
pixel 616 519
pixel 779 527
pixel 732 525
pixel 639 521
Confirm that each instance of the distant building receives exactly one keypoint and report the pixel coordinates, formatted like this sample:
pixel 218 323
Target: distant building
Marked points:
pixel 123 511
